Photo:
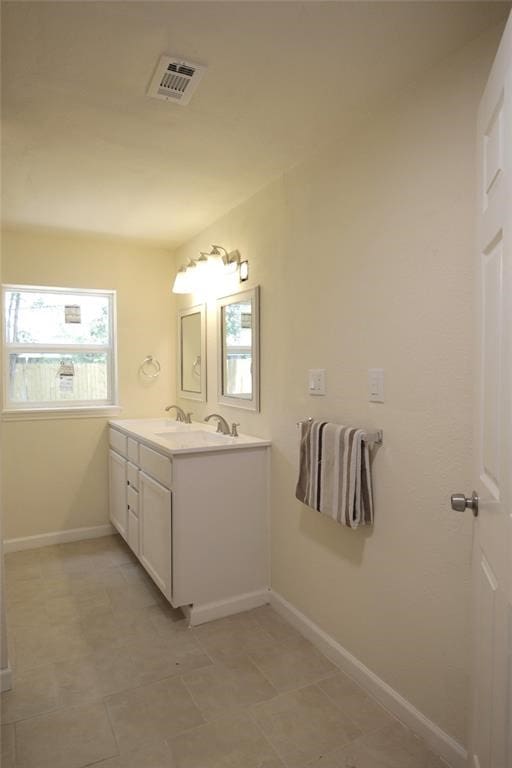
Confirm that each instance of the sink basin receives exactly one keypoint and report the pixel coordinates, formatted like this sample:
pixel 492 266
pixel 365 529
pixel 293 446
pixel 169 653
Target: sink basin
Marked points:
pixel 172 426
pixel 194 439
pixel 169 425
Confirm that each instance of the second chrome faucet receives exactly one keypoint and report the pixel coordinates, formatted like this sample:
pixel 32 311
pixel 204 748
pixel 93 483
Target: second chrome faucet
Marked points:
pixel 223 426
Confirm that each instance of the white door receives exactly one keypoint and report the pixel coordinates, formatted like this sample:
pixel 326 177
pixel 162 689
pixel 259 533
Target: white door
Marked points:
pixel 491 726
pixel 155 531
pixel 117 492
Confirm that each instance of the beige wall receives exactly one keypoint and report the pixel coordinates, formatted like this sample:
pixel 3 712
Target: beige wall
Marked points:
pixel 55 471
pixel 364 257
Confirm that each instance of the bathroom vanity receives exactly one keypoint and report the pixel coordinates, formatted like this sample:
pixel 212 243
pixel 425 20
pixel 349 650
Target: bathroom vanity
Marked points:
pixel 192 505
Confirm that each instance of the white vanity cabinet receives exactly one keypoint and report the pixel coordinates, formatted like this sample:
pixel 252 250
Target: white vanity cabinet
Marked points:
pixel 197 520
pixel 140 506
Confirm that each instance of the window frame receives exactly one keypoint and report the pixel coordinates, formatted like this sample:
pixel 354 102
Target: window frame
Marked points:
pixel 66 407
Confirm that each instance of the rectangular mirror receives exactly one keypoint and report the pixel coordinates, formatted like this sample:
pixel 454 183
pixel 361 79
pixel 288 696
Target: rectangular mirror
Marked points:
pixel 192 352
pixel 239 350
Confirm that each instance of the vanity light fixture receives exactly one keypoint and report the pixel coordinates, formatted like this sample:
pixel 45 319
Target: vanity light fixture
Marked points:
pixel 216 263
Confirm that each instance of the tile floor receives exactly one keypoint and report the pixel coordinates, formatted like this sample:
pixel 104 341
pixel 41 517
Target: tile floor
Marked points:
pixel 106 673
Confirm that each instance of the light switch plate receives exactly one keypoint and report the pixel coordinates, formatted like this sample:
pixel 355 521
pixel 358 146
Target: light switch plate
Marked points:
pixel 316 381
pixel 376 385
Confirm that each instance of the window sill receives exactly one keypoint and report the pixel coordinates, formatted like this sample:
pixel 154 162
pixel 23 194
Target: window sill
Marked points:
pixel 41 414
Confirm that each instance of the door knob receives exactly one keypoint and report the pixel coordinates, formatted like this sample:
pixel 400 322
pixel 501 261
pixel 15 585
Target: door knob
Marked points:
pixel 460 502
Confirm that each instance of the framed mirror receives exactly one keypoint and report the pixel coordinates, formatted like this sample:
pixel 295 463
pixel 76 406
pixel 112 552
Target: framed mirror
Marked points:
pixel 238 345
pixel 192 352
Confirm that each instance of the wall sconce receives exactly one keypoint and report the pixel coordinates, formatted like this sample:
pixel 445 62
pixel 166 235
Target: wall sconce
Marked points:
pixel 230 260
pixel 216 263
pixel 214 266
pixel 185 278
pixel 181 281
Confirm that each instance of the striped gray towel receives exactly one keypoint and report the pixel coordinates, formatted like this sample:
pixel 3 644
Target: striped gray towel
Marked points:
pixel 334 472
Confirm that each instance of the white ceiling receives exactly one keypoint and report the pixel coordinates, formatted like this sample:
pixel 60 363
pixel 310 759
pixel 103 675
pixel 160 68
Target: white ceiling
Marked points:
pixel 85 149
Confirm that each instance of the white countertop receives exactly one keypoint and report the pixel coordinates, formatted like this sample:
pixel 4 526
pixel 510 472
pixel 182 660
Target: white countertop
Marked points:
pixel 174 437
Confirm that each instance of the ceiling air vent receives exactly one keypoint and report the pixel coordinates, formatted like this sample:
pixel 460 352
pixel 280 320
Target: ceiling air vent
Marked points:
pixel 175 79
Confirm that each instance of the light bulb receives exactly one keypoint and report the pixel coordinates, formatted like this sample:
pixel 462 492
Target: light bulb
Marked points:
pixel 215 265
pixel 181 281
pixel 202 263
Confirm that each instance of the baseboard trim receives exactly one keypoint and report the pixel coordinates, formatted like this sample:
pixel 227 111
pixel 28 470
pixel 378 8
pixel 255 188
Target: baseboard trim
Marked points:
pixel 199 614
pixel 5 679
pixel 439 741
pixel 57 537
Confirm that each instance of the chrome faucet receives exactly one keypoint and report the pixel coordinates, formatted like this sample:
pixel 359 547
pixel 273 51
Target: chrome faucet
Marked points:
pixel 180 414
pixel 222 425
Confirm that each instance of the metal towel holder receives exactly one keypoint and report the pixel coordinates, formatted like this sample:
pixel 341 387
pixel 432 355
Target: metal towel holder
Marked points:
pixel 150 367
pixel 375 438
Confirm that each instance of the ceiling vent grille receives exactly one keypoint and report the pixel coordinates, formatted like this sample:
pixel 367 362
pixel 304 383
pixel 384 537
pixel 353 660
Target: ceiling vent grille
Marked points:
pixel 175 79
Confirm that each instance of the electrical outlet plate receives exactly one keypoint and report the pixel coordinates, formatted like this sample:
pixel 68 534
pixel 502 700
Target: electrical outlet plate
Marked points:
pixel 376 385
pixel 316 381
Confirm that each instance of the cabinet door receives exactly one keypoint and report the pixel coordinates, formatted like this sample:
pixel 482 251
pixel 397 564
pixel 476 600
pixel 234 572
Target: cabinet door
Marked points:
pixel 117 493
pixel 133 532
pixel 155 531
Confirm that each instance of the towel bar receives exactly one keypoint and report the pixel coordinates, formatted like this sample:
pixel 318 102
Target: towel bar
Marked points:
pixel 377 437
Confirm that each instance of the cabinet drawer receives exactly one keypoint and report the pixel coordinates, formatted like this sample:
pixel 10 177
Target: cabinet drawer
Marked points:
pixel 132 497
pixel 156 465
pixel 132 473
pixel 133 532
pixel 117 441
pixel 133 450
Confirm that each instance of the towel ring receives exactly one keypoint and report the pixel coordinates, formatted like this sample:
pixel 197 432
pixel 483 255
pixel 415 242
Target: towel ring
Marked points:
pixel 150 367
pixel 196 366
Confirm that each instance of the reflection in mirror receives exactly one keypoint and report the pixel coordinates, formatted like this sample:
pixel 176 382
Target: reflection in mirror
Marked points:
pixel 239 350
pixel 192 352
pixel 237 323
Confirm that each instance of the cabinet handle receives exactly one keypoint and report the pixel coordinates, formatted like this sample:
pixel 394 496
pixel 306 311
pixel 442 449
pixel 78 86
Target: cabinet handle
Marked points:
pixel 127 482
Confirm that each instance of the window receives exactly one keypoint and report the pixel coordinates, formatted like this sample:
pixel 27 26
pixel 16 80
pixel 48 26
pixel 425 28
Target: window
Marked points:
pixel 59 348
